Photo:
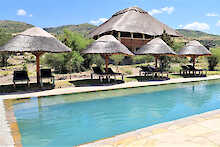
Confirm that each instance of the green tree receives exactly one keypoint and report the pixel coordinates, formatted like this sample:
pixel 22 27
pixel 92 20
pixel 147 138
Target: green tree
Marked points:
pixel 165 60
pixel 73 61
pixel 4 38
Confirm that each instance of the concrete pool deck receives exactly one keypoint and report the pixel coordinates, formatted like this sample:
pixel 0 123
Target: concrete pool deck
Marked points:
pixel 201 130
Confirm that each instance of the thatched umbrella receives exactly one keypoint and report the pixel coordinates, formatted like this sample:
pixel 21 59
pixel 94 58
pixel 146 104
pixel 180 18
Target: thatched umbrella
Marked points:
pixel 156 47
pixel 36 41
pixel 194 49
pixel 107 45
pixel 134 27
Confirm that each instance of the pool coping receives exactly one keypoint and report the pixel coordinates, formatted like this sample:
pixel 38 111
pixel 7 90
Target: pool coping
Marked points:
pixel 72 90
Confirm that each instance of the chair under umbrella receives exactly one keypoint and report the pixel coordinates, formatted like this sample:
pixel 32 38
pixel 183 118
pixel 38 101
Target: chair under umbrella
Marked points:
pixel 156 47
pixel 36 41
pixel 107 45
pixel 194 49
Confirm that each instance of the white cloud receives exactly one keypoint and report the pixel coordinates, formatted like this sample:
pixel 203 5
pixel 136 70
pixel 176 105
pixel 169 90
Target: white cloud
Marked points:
pixel 30 15
pixel 180 26
pixel 99 21
pixel 168 10
pixel 21 12
pixel 218 23
pixel 155 11
pixel 197 26
pixel 212 14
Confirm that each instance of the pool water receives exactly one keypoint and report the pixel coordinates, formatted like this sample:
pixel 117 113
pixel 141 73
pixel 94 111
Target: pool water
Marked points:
pixel 69 120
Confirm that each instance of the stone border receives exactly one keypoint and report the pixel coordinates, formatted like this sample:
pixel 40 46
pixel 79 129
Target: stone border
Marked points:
pixel 6 138
pixel 11 119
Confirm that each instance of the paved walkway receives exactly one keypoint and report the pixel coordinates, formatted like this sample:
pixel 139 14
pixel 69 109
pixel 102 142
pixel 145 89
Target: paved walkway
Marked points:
pixel 200 132
pixel 100 88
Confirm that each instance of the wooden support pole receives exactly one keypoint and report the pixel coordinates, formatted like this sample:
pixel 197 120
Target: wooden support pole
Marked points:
pixel 194 60
pixel 156 58
pixel 38 54
pixel 106 62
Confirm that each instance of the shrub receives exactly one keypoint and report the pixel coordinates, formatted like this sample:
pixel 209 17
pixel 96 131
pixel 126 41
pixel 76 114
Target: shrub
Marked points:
pixel 212 61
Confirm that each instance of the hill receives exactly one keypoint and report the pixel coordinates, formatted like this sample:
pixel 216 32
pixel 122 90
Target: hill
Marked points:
pixel 199 35
pixel 13 26
pixel 81 28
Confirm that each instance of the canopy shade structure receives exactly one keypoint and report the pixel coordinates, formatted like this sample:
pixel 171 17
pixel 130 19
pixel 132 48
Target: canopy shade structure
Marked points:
pixel 194 49
pixel 156 47
pixel 134 27
pixel 107 45
pixel 36 41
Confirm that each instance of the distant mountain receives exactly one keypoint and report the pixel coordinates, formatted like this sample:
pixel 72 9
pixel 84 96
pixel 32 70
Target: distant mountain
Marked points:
pixel 13 26
pixel 81 28
pixel 199 35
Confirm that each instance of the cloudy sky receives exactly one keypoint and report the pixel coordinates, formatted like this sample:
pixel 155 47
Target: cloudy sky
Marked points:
pixel 188 14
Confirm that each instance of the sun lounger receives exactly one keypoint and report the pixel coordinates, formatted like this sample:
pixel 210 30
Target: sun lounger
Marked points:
pixel 185 71
pixel 46 74
pixel 20 76
pixel 149 71
pixel 197 72
pixel 112 73
pixel 97 71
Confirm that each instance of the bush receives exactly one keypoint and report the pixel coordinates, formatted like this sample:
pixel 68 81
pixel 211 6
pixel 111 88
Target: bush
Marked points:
pixel 117 59
pixel 142 59
pixel 212 61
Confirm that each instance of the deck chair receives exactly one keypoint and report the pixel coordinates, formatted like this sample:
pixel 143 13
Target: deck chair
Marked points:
pixel 98 71
pixel 197 72
pixel 111 72
pixel 46 74
pixel 20 76
pixel 184 71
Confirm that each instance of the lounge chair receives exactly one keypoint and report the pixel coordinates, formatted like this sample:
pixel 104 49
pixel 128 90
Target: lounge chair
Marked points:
pixel 20 76
pixel 97 71
pixel 153 73
pixel 197 72
pixel 112 73
pixel 46 74
pixel 185 71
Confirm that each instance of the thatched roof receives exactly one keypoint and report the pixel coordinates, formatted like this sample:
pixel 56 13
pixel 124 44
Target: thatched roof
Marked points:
pixel 155 47
pixel 107 44
pixel 194 48
pixel 134 20
pixel 34 40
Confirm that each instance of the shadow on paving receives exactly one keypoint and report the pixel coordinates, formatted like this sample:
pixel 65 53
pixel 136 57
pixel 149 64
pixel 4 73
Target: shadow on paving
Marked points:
pixel 23 88
pixel 148 78
pixel 95 82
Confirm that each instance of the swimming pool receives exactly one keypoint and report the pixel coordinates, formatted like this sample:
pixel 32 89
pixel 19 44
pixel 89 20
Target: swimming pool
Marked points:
pixel 68 120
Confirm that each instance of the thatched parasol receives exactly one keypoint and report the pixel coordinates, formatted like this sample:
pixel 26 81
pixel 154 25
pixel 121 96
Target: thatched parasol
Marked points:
pixel 107 45
pixel 36 41
pixel 194 49
pixel 134 27
pixel 156 47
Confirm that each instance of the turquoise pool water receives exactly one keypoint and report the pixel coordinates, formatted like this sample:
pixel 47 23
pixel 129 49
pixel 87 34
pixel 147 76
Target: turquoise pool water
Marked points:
pixel 75 119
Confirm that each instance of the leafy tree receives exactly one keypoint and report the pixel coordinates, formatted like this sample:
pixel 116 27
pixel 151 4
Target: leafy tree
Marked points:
pixel 165 60
pixel 213 62
pixel 117 58
pixel 74 61
pixel 4 38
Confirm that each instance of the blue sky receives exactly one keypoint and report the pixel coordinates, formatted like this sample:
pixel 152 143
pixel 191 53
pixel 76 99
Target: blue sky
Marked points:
pixel 189 14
